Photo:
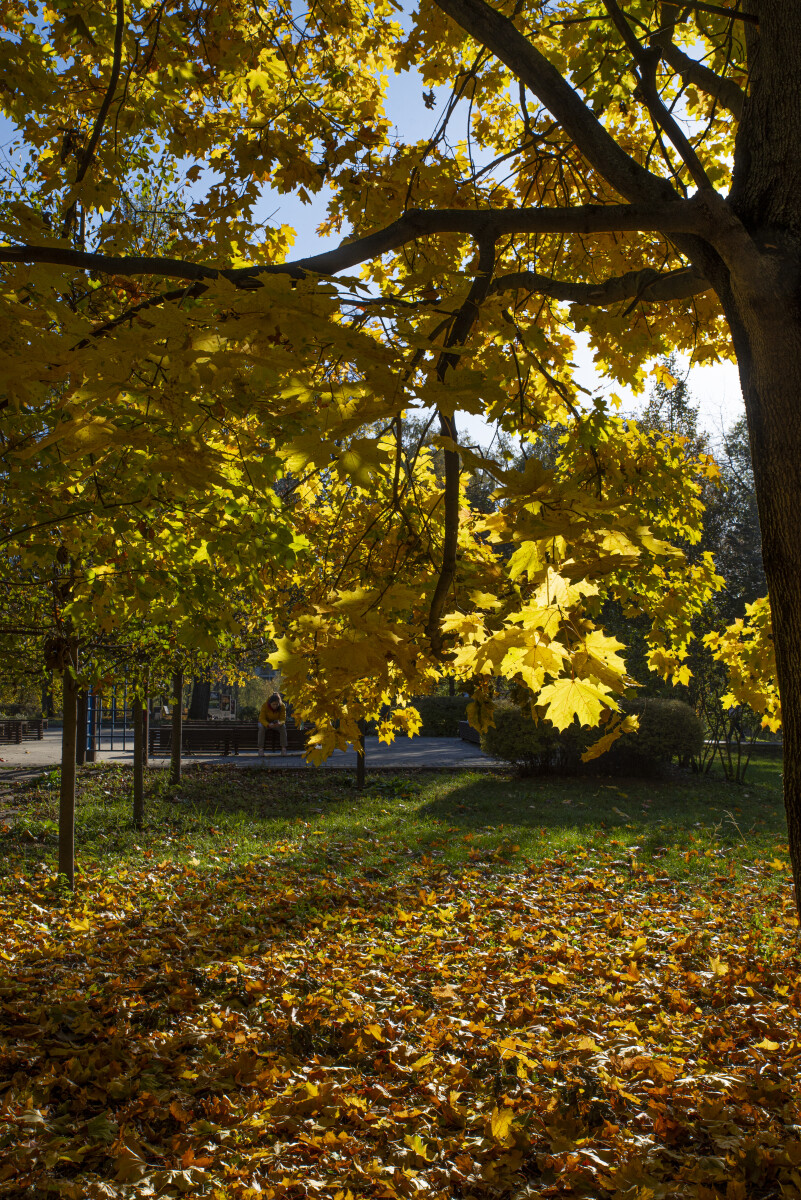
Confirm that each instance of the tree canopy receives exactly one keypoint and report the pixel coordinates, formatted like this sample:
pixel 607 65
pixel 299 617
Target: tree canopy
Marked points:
pixel 629 172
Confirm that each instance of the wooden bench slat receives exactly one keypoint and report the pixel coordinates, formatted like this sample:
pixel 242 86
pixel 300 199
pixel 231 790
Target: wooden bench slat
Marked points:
pixel 223 738
pixel 14 730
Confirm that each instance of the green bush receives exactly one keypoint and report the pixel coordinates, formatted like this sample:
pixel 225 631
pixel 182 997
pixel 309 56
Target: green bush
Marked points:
pixel 668 729
pixel 253 693
pixel 247 712
pixel 441 714
pixel 532 748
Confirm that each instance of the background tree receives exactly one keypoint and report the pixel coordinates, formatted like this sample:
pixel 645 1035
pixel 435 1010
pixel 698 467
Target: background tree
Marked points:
pixel 738 551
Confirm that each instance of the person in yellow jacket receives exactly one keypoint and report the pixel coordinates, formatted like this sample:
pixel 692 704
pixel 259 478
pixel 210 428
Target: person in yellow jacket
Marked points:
pixel 272 716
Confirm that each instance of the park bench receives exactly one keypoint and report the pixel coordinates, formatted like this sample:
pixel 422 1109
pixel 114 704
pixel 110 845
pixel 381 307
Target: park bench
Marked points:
pixel 14 730
pixel 468 734
pixel 221 737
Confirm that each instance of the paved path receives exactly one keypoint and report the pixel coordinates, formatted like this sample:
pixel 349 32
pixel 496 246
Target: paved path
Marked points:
pixel 403 753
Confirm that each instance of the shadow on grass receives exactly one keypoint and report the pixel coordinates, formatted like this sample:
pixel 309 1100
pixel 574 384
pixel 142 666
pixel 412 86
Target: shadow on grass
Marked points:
pixel 318 821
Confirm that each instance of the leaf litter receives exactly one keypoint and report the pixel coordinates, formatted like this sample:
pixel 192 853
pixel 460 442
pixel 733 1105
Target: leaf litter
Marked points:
pixel 283 1028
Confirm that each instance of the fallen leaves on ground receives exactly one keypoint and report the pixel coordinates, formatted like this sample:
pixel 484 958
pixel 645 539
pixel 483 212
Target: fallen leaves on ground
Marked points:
pixel 576 1028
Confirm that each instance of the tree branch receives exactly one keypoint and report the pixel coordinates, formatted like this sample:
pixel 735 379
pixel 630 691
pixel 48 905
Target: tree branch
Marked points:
pixel 89 152
pixel 647 285
pixel 457 335
pixel 717 10
pixel 678 216
pixel 647 61
pixel 185 293
pixel 730 94
pixel 513 48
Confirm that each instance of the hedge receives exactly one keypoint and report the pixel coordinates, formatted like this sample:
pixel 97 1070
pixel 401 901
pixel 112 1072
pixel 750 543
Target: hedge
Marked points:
pixel 668 729
pixel 441 714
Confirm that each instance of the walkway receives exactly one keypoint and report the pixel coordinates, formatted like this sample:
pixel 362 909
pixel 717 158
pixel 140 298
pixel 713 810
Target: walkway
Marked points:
pixel 404 753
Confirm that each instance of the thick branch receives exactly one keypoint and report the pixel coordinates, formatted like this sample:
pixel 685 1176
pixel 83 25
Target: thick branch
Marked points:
pixel 686 216
pixel 647 61
pixel 458 334
pixel 499 34
pixel 718 10
pixel 647 285
pixel 726 91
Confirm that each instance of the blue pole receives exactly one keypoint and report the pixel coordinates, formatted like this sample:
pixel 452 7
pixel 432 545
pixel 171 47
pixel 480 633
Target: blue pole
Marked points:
pixel 90 721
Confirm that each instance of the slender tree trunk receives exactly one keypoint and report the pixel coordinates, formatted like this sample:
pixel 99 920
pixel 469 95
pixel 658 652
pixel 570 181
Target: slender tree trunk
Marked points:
pixel 360 764
pixel 66 807
pixel 177 726
pixel 47 696
pixel 146 732
pixel 138 764
pixel 82 716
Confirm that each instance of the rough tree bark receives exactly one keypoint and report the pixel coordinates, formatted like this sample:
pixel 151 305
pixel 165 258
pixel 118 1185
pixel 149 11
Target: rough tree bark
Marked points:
pixel 199 704
pixel 764 314
pixel 749 251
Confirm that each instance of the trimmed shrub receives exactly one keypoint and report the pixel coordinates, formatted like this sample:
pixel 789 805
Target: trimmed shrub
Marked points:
pixel 247 712
pixel 441 714
pixel 668 729
pixel 533 748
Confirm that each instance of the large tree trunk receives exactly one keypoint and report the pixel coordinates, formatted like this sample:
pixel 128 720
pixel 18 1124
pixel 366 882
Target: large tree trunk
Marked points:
pixel 66 807
pixel 769 356
pixel 199 704
pixel 764 313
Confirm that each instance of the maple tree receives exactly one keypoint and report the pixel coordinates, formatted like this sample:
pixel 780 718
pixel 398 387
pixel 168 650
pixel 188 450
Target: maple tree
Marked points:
pixel 101 599
pixel 629 171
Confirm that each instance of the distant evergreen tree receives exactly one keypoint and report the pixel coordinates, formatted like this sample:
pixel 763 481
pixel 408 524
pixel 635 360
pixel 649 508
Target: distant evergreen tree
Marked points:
pixel 733 513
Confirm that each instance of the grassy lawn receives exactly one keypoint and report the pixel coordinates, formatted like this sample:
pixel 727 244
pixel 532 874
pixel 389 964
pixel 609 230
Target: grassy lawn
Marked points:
pixel 447 985
pixel 681 827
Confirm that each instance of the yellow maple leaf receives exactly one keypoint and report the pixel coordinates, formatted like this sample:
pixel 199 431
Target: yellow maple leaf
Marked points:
pixel 500 1123
pixel 569 698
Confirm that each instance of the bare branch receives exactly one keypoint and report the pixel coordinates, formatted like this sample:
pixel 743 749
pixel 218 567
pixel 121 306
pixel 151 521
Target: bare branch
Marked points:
pixel 648 285
pixel 718 10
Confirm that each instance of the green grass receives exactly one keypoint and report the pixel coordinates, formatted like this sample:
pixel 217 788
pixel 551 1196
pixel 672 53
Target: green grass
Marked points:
pixel 679 827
